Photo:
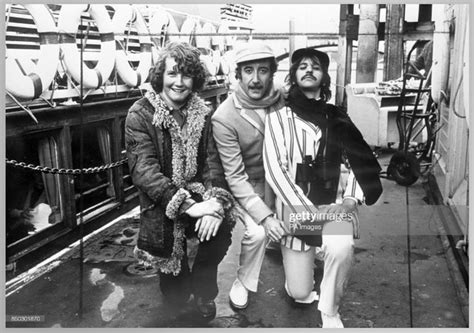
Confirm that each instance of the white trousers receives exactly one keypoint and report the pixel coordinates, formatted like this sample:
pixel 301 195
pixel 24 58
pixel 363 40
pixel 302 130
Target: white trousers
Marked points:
pixel 337 253
pixel 252 253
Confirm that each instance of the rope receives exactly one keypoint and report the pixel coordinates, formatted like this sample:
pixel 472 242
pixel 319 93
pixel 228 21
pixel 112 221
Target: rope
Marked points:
pixel 45 169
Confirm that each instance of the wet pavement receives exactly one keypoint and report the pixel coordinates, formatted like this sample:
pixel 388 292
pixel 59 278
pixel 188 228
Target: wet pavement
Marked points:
pixel 118 293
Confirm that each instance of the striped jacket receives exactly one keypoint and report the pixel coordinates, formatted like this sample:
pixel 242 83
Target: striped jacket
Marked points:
pixel 287 139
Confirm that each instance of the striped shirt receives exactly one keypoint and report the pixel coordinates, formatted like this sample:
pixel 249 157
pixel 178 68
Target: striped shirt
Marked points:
pixel 287 139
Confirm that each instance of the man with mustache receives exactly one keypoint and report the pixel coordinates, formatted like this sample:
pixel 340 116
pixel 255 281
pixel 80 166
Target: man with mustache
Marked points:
pixel 304 146
pixel 238 129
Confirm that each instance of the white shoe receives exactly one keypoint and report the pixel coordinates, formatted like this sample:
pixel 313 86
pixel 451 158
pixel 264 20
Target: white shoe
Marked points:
pixel 331 321
pixel 313 296
pixel 238 295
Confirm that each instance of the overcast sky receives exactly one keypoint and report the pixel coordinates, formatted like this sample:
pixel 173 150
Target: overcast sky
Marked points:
pixel 308 18
pixel 275 18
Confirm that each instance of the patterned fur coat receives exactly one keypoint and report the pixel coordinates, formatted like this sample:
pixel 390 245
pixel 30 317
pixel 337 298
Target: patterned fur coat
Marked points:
pixel 167 169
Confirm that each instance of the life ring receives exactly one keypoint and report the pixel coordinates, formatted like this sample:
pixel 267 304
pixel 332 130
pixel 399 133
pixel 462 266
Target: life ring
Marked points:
pixel 226 63
pixel 69 20
pixel 227 40
pixel 212 61
pixel 440 67
pixel 224 67
pixel 203 43
pixel 219 38
pixel 207 32
pixel 202 40
pixel 211 29
pixel 123 15
pixel 157 26
pixel 172 30
pixel 216 59
pixel 206 59
pixel 30 85
pixel 188 29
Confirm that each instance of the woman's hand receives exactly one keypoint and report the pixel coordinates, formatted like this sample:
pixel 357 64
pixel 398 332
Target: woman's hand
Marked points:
pixel 209 207
pixel 207 227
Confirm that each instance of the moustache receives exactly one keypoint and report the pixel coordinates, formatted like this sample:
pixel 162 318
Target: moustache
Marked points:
pixel 310 76
pixel 255 86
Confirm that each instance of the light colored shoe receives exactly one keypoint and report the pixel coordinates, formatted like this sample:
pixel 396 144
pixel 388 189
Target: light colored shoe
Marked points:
pixel 312 297
pixel 331 321
pixel 238 295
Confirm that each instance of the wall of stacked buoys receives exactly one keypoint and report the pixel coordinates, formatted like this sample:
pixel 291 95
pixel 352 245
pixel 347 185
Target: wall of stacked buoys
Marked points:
pixel 120 43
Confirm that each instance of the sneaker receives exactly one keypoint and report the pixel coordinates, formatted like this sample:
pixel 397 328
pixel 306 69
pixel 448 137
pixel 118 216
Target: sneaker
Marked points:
pixel 331 321
pixel 238 295
pixel 207 308
pixel 311 298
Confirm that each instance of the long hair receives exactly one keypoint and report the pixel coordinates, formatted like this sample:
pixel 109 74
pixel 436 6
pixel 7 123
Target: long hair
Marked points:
pixel 325 82
pixel 238 69
pixel 187 63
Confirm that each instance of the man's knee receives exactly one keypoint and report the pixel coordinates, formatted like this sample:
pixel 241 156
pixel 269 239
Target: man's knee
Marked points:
pixel 299 292
pixel 340 249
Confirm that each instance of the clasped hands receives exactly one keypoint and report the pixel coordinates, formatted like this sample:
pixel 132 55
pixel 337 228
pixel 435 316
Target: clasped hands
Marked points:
pixel 348 206
pixel 276 229
pixel 210 214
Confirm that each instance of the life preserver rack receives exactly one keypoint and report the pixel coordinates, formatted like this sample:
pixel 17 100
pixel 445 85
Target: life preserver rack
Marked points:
pixel 30 85
pixel 69 20
pixel 59 71
pixel 132 77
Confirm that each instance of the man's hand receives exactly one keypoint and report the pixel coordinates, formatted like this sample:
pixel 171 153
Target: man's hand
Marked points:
pixel 209 207
pixel 274 228
pixel 207 227
pixel 348 206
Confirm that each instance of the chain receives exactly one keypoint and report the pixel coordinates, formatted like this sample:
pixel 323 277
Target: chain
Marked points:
pixel 46 169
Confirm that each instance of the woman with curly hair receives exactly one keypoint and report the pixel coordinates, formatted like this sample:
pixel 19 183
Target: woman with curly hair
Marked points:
pixel 169 147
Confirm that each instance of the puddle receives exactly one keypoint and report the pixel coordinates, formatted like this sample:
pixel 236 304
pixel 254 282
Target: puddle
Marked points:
pixel 110 307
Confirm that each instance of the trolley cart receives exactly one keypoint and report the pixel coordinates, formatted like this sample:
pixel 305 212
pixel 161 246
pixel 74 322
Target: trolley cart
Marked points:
pixel 417 123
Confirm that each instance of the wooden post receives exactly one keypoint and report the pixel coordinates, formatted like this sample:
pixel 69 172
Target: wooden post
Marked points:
pixel 344 61
pixel 393 57
pixel 367 53
pixel 67 181
pixel 116 146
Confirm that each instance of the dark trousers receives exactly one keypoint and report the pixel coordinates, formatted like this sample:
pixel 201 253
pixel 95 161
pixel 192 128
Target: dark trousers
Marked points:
pixel 202 279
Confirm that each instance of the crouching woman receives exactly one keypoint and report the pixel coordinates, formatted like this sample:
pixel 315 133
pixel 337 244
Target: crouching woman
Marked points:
pixel 169 147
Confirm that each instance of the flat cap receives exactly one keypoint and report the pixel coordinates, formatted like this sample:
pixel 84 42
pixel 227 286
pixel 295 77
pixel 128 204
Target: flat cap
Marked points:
pixel 253 51
pixel 309 52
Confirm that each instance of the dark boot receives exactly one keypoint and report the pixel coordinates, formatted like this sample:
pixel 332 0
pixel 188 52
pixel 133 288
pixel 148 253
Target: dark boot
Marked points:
pixel 207 308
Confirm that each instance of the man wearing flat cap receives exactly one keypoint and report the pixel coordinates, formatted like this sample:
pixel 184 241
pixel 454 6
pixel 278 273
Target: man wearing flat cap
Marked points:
pixel 238 129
